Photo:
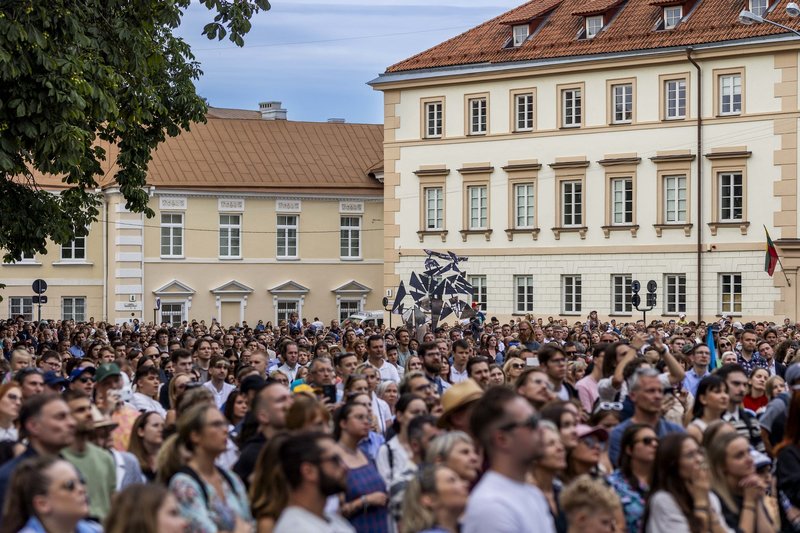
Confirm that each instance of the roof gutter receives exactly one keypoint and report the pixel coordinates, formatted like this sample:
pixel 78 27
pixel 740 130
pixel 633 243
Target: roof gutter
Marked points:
pixel 699 180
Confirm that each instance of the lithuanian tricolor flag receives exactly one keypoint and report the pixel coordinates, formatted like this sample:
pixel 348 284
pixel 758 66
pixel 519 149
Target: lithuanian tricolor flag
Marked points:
pixel 771 258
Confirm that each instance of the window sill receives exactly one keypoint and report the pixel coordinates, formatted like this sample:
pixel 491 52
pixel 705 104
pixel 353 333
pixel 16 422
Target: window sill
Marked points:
pixel 230 258
pixel 172 257
pixel 625 123
pixel 287 259
pixel 525 130
pixel 686 227
pixel 571 314
pixel 522 231
pixel 576 229
pixel 477 134
pixel 673 119
pixel 620 314
pixel 742 225
pixel 575 127
pixel 487 233
pixel 23 263
pixel 67 262
pixel 521 313
pixel 729 315
pixel 633 228
pixel 351 259
pixel 440 232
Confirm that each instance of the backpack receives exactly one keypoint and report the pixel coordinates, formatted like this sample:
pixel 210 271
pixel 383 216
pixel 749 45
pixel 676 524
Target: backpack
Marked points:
pixel 195 476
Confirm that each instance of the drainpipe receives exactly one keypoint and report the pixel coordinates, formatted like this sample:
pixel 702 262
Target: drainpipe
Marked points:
pixel 105 256
pixel 699 183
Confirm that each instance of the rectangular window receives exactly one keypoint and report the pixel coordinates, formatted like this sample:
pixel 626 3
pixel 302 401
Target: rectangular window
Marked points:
pixel 675 101
pixel 347 308
pixel 730 293
pixel 171 234
pixel 74 250
pixel 571 108
pixel 478 290
pixel 230 228
pixel 73 308
pixel 434 116
pixel 524 206
pixel 523 111
pixel 571 203
pixel 623 103
pixel 674 199
pixel 350 237
pixel 172 314
pixel 571 294
pixel 593 25
pixel 287 237
pixel 521 33
pixel 434 208
pixel 672 16
pixel 477 116
pixel 20 305
pixel 674 293
pixel 730 93
pixel 524 287
pixel 286 308
pixel 731 195
pixel 478 207
pixel 759 7
pixel 621 294
pixel 622 201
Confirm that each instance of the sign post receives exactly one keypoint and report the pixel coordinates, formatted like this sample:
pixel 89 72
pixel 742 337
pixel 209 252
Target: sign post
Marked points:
pixel 39 287
pixel 636 300
pixel 156 307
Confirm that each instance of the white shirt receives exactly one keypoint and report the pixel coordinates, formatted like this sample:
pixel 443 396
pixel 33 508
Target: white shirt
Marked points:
pixel 289 371
pixel 220 396
pixel 456 376
pixel 503 505
pixel 382 413
pixel 297 520
pixel 140 402
pixel 666 517
pixel 388 372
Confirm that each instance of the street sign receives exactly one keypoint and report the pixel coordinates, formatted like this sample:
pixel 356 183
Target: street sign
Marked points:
pixel 39 299
pixel 158 304
pixel 635 286
pixel 39 286
pixel 636 300
pixel 651 299
pixel 652 286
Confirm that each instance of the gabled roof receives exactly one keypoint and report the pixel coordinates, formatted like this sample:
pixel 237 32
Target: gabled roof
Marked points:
pixel 528 12
pixel 352 287
pixel 174 288
pixel 232 287
pixel 289 287
pixel 596 7
pixel 633 29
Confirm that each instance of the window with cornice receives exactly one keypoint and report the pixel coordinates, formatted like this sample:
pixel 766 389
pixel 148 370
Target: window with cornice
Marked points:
pixel 593 25
pixel 672 16
pixel 520 34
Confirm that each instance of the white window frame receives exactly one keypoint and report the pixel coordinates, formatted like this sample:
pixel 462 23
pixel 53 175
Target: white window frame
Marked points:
pixel 350 237
pixel 520 34
pixel 287 231
pixel 523 294
pixel 76 247
pixel 675 99
pixel 674 197
pixel 70 308
pixel 621 294
pixel 172 231
pixel 672 16
pixel 478 115
pixel 478 206
pixel 230 236
pixel 571 294
pixel 434 208
pixel 728 194
pixel 571 107
pixel 434 119
pixel 524 206
pixel 622 112
pixel 593 25
pixel 729 282
pixel 730 87
pixel 759 7
pixel 621 201
pixel 286 306
pixel 25 259
pixel 355 306
pixel 572 217
pixel 674 294
pixel 523 112
pixel 171 310
pixel 20 305
pixel 479 293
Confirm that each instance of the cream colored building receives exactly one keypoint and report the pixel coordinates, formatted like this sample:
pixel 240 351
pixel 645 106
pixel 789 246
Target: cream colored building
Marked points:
pixel 568 148
pixel 255 217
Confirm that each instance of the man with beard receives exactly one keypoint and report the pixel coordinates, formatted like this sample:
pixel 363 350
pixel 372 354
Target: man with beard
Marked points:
pixel 314 470
pixel 96 465
pixel 432 365
pixel 507 428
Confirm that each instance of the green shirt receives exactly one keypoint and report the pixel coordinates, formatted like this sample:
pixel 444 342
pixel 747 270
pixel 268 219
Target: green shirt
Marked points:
pixel 99 471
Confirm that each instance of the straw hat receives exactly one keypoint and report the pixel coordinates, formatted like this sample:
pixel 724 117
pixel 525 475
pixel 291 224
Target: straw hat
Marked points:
pixel 458 396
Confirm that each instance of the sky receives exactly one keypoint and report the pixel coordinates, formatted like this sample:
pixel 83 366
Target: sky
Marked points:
pixel 316 56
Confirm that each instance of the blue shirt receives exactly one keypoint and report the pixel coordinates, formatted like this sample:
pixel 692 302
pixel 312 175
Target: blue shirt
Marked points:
pixel 76 351
pixel 662 429
pixel 33 525
pixel 692 380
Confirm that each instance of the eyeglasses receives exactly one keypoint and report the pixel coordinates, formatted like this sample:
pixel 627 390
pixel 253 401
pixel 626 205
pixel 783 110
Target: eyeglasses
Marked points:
pixel 532 422
pixel 85 380
pixel 647 441
pixel 608 406
pixel 517 366
pixel 592 442
pixel 73 484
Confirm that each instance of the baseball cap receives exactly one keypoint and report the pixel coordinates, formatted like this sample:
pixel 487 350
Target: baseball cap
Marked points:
pixel 107 370
pixel 78 372
pixel 51 379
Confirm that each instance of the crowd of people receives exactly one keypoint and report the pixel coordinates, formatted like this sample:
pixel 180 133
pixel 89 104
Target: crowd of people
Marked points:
pixel 533 425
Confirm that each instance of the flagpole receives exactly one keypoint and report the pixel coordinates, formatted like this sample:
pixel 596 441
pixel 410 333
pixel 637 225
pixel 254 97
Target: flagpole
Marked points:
pixel 789 283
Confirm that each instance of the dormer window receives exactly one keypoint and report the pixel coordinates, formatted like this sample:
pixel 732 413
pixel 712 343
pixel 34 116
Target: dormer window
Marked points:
pixel 759 7
pixel 521 33
pixel 672 16
pixel 593 25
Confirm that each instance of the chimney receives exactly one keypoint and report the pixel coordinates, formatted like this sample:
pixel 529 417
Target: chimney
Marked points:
pixel 272 111
pixel 336 121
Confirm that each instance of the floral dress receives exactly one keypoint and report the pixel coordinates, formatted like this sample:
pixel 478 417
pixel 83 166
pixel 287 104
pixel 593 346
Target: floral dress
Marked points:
pixel 220 513
pixel 633 500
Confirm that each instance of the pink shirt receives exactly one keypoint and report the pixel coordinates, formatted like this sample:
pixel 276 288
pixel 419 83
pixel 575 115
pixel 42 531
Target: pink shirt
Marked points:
pixel 587 392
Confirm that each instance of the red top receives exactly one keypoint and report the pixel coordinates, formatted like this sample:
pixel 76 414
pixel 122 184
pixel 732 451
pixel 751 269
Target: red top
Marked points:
pixel 754 404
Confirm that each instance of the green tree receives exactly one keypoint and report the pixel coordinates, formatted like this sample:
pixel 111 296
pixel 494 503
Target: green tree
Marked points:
pixel 80 75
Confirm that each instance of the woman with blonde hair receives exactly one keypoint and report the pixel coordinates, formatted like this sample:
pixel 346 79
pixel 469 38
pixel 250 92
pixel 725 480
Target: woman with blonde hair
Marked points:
pixel 307 414
pixel 10 404
pixel 456 451
pixel 589 506
pixel 434 501
pixel 512 368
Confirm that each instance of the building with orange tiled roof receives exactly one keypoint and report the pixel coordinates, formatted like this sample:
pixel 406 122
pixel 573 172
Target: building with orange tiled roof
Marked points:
pixel 256 216
pixel 568 147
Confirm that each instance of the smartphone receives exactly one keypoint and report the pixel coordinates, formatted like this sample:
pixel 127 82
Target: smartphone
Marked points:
pixel 329 392
pixel 532 361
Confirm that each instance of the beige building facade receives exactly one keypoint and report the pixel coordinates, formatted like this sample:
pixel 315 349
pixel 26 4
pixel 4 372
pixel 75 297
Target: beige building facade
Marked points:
pixel 255 217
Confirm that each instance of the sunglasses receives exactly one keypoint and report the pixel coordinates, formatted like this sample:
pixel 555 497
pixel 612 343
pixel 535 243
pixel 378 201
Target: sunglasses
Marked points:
pixel 648 441
pixel 592 442
pixel 73 484
pixel 608 406
pixel 531 422
pixel 517 366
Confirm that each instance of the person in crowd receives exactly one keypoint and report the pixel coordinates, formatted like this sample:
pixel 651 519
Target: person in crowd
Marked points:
pixel 787 472
pixel 434 501
pixel 710 403
pixel 431 365
pixel 377 358
pixel 210 497
pixel 512 368
pixel 47 494
pixel 31 381
pixel 496 375
pixel 586 456
pixel 144 399
pixel 748 357
pixel 218 368
pixel 235 408
pixel 413 363
pixel 457 404
pixel 553 359
pixel 507 428
pixel 290 354
pixel 774 386
pixel 10 404
pixel 388 391
pixel 736 484
pixel 587 386
pixel 127 514
pixel 269 493
pixel 381 413
pixel 202 352
pixel 534 385
pixel 631 481
pixel 366 500
pixel 147 437
pixel 589 506
pixel 746 425
pixel 492 350
pixel 565 416
pixel 458 370
pixel 773 422
pixel 756 399
pixel 395 455
pixel 606 415
pixel 177 385
pixel 478 371
pixel 699 356
pixel 455 450
pixel 546 472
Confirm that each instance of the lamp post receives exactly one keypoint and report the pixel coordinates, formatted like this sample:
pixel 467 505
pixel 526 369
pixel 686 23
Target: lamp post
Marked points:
pixel 748 17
